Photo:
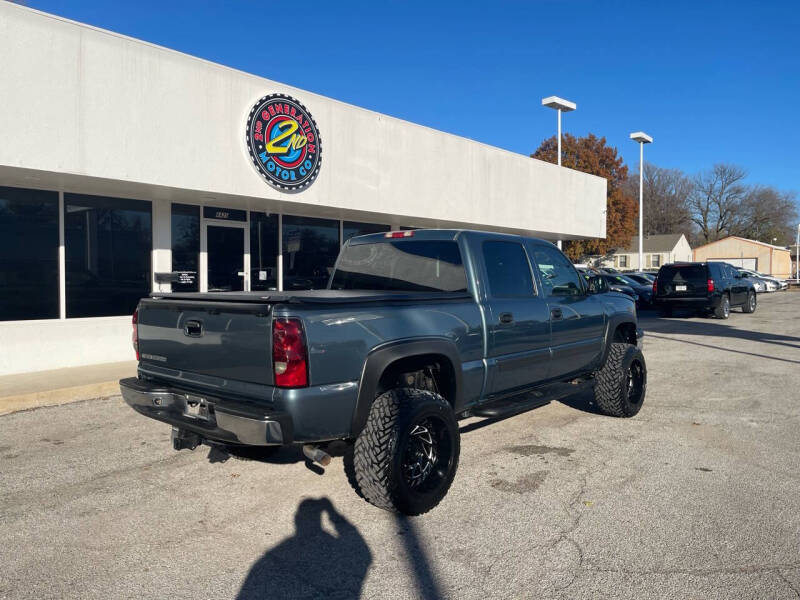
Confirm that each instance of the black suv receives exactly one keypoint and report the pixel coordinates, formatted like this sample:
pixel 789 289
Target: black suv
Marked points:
pixel 703 287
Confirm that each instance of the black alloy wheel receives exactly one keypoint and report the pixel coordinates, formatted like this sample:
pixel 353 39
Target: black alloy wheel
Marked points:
pixel 621 385
pixel 636 381
pixel 406 456
pixel 427 455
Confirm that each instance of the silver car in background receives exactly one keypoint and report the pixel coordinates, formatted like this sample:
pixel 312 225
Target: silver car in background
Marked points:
pixel 761 283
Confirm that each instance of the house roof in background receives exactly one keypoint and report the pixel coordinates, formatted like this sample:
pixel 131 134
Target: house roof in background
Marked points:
pixel 741 239
pixel 664 242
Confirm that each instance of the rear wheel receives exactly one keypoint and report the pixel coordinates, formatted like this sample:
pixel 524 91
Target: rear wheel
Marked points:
pixel 406 457
pixel 750 304
pixel 621 384
pixel 723 311
pixel 666 311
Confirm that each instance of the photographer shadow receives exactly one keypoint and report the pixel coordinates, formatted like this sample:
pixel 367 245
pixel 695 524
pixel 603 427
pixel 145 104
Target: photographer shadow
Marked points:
pixel 313 563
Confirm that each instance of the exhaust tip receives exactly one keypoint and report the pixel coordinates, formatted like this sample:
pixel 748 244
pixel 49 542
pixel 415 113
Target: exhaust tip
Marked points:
pixel 317 455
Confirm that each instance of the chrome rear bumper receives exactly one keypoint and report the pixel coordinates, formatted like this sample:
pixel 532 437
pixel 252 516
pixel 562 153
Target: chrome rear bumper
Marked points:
pixel 210 417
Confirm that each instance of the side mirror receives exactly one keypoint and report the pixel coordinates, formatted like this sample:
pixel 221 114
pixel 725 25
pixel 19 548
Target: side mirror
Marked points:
pixel 597 285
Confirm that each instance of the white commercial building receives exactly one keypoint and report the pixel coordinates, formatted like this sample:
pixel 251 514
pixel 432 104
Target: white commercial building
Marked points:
pixel 657 250
pixel 126 167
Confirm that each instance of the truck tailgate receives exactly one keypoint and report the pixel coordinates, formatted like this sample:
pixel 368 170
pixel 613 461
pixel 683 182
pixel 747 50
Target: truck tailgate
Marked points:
pixel 229 340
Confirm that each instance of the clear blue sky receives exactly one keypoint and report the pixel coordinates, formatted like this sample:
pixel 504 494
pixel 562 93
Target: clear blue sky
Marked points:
pixel 711 81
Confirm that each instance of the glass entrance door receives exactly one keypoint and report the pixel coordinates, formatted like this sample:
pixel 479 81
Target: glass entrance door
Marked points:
pixel 225 262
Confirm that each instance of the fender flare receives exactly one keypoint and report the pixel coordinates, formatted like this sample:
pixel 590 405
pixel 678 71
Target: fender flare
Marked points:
pixel 381 357
pixel 614 321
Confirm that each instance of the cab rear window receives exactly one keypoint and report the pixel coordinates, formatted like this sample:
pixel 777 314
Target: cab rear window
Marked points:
pixel 407 265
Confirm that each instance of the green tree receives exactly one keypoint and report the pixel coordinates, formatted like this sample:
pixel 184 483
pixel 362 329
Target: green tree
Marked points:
pixel 590 154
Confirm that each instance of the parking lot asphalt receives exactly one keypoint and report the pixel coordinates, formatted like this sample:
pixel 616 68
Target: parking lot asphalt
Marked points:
pixel 696 497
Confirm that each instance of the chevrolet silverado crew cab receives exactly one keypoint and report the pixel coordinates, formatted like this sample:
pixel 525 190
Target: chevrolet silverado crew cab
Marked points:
pixel 415 330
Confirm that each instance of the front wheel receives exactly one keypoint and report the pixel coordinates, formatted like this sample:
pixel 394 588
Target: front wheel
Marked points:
pixel 621 384
pixel 406 457
pixel 750 304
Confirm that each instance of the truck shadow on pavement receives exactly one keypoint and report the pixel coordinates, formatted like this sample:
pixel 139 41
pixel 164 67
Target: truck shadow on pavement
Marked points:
pixel 274 455
pixel 313 563
pixel 583 401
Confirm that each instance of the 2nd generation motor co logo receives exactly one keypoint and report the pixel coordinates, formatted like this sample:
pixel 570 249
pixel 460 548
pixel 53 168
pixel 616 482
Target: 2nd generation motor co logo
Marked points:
pixel 283 142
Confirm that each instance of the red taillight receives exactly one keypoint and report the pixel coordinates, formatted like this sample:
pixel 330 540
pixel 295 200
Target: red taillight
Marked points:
pixel 135 334
pixel 710 285
pixel 289 356
pixel 399 234
pixel 655 286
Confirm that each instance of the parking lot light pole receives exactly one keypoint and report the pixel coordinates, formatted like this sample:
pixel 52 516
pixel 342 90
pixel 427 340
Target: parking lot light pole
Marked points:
pixel 797 256
pixel 560 105
pixel 642 138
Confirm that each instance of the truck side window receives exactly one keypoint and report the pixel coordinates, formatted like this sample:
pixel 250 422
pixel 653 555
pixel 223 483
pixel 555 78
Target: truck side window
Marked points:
pixel 559 277
pixel 508 269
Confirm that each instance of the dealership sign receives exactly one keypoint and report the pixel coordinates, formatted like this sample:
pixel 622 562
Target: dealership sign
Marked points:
pixel 283 142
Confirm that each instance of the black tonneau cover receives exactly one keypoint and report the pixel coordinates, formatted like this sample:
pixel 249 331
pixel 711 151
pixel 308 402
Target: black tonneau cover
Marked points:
pixel 314 296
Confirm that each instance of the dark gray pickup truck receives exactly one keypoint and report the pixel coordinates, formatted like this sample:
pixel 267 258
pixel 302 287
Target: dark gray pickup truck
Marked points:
pixel 416 330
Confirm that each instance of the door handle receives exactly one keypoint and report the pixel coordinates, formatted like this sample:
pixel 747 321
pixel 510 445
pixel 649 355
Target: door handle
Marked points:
pixel 506 318
pixel 193 328
pixel 555 314
pixel 240 273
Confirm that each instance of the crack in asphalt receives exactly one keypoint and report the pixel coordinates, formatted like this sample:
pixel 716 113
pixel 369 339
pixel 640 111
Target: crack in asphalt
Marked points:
pixel 789 583
pixel 710 571
pixel 573 508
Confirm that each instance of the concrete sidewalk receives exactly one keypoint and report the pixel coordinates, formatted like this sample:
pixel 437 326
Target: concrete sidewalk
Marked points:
pixel 60 386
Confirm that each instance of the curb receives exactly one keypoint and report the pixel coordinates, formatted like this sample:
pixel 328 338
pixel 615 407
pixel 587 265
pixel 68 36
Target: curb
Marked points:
pixel 12 404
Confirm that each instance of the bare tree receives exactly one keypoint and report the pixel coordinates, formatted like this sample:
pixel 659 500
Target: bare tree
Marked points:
pixel 713 204
pixel 666 195
pixel 716 200
pixel 767 214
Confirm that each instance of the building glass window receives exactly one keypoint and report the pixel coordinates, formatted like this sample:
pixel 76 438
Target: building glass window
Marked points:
pixel 108 254
pixel 186 246
pixel 28 254
pixel 622 261
pixel 263 251
pixel 352 229
pixel 310 248
pixel 656 262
